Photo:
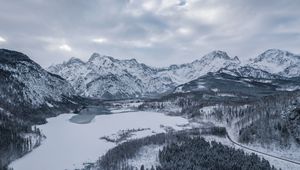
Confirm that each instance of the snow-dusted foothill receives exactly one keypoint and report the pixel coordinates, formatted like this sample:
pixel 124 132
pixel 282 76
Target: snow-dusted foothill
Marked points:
pixel 25 83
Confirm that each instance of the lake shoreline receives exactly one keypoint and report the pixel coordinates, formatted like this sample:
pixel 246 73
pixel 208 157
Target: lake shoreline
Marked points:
pixel 68 145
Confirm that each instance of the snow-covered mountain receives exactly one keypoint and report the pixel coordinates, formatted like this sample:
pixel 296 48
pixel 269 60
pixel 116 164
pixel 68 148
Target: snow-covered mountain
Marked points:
pixel 278 62
pixel 105 77
pixel 211 62
pixel 24 83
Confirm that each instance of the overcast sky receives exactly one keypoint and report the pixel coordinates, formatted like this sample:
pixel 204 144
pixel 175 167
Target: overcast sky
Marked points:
pixel 156 32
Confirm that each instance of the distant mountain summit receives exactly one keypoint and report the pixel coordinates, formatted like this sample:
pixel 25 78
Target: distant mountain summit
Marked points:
pixel 106 77
pixel 210 62
pixel 277 61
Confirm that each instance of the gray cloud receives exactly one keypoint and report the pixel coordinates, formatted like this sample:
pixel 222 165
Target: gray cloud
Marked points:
pixel 171 31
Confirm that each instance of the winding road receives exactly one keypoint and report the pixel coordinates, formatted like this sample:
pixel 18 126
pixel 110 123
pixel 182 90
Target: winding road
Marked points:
pixel 256 151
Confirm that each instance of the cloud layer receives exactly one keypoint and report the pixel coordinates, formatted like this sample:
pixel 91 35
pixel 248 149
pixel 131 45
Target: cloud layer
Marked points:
pixel 156 32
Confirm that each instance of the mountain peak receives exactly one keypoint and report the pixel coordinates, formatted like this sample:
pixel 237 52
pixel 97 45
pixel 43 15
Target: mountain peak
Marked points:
pixel 74 60
pixel 12 56
pixel 133 60
pixel 216 54
pixel 275 55
pixel 277 62
pixel 97 56
pixel 94 56
pixel 236 58
pixel 220 52
pixel 273 52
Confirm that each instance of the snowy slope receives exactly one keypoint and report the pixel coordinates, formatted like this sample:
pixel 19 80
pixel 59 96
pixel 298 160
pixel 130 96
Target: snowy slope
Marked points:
pixel 277 61
pixel 231 85
pixel 105 77
pixel 24 83
pixel 251 72
pixel 211 62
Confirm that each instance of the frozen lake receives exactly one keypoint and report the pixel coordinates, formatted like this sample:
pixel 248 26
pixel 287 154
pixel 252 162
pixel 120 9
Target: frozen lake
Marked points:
pixel 68 145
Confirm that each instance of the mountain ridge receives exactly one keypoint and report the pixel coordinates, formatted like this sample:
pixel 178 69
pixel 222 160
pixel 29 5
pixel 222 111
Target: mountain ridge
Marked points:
pixel 26 86
pixel 277 61
pixel 142 80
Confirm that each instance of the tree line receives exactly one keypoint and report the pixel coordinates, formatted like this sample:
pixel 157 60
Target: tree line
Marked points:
pixel 183 150
pixel 267 119
pixel 196 153
pixel 13 142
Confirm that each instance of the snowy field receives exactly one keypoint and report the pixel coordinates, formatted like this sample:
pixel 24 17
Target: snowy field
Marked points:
pixel 69 145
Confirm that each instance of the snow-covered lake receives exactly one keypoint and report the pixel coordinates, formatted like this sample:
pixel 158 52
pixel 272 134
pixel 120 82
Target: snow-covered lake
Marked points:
pixel 68 145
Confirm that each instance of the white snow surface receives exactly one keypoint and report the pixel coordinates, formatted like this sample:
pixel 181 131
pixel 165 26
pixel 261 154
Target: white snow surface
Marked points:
pixel 69 145
pixel 49 104
pixel 226 95
pixel 288 88
pixel 207 109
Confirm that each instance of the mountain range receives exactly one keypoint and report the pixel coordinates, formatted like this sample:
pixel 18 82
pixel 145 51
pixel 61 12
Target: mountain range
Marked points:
pixel 109 78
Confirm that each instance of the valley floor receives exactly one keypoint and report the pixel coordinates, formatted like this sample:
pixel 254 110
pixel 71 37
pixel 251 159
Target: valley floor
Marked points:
pixel 69 145
pixel 72 145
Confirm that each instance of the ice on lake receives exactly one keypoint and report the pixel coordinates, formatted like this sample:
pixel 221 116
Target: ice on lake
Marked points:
pixel 68 145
